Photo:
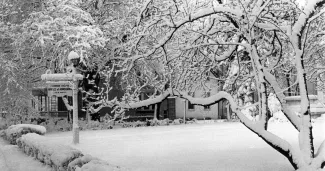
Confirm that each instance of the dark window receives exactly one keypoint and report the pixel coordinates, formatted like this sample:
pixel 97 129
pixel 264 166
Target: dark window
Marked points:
pixel 190 105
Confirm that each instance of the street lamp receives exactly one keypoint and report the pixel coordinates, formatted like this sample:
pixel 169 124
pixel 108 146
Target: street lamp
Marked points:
pixel 73 77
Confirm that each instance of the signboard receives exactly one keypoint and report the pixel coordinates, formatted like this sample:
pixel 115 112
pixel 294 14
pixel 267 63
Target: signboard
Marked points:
pixel 59 89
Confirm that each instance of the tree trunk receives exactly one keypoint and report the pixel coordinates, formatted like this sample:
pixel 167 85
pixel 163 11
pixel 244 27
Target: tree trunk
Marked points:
pixel 88 116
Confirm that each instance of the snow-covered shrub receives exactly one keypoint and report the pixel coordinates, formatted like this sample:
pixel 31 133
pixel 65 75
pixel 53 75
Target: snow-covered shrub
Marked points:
pixel 126 124
pixel 164 122
pixel 14 132
pixel 108 125
pixel 3 124
pixel 82 124
pixel 50 125
pixel 63 125
pixel 99 165
pixel 178 121
pixel 87 162
pixel 190 122
pixel 139 124
pixel 154 122
pixel 57 156
pixel 79 162
pixel 93 125
pixel 194 120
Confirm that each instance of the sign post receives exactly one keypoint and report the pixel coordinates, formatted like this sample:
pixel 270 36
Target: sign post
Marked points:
pixel 74 78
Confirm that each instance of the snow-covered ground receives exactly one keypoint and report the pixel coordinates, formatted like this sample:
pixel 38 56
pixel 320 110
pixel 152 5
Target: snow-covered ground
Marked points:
pixel 218 146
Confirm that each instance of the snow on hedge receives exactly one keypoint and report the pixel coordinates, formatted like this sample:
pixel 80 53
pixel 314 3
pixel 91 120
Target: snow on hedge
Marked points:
pixel 89 163
pixel 57 156
pixel 61 157
pixel 14 132
pixel 99 165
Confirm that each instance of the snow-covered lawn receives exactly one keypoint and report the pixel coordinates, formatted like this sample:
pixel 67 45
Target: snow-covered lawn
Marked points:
pixel 218 146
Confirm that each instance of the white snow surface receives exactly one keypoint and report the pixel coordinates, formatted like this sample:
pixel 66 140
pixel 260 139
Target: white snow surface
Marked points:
pixel 217 146
pixel 19 127
pixel 13 159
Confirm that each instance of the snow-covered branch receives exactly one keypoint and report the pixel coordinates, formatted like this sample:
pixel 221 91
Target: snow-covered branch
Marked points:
pixel 293 118
pixel 66 103
pixel 209 11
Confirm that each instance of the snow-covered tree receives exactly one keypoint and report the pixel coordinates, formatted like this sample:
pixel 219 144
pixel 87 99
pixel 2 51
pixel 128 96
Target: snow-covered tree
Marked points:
pixel 38 36
pixel 258 40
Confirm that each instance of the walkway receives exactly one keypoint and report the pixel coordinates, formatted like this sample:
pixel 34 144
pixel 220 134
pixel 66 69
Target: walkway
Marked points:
pixel 13 159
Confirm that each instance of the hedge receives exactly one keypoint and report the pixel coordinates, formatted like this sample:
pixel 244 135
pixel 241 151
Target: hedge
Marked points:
pixel 61 157
pixel 13 132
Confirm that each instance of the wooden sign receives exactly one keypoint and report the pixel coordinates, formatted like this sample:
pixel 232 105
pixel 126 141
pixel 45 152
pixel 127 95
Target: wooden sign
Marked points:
pixel 59 89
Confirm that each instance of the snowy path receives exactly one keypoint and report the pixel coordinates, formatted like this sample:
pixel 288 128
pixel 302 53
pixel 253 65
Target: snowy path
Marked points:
pixel 204 147
pixel 12 159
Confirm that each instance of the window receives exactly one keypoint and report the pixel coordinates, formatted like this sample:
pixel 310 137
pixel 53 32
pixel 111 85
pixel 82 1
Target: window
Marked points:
pixel 207 107
pixel 293 90
pixel 42 103
pixel 190 105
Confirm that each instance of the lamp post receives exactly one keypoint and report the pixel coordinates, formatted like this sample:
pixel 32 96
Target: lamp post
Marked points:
pixel 73 78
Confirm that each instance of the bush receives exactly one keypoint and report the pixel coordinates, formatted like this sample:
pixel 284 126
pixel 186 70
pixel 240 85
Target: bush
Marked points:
pixel 195 120
pixel 99 165
pixel 164 122
pixel 154 122
pixel 57 156
pixel 61 157
pixel 139 124
pixel 14 132
pixel 178 121
pixel 79 162
pixel 3 124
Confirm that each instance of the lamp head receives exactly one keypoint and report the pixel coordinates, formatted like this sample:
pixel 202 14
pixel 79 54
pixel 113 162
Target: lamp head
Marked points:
pixel 74 58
